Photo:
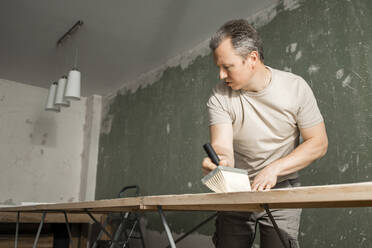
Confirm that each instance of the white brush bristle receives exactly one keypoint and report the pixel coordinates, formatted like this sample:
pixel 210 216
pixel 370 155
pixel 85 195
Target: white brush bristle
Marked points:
pixel 226 179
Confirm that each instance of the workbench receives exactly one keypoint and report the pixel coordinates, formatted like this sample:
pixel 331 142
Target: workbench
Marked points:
pixel 327 196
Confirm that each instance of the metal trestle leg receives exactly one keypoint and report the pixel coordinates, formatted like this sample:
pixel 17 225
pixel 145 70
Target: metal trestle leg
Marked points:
pixel 68 228
pixel 266 207
pixel 17 231
pixel 39 230
pixel 166 227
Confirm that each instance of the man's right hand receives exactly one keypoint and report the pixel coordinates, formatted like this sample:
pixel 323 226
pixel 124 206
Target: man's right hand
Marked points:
pixel 208 165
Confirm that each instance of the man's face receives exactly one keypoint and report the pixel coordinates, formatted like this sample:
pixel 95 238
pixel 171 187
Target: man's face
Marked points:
pixel 233 69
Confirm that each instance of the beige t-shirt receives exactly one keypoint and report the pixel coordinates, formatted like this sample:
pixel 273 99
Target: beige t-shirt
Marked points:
pixel 266 123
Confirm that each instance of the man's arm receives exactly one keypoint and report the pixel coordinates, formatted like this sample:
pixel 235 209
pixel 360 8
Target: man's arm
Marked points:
pixel 222 143
pixel 314 146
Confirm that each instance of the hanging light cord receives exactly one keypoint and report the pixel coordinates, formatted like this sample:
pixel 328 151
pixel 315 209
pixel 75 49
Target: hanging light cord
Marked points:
pixel 76 57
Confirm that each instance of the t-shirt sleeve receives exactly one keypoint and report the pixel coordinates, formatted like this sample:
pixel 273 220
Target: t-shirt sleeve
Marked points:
pixel 218 109
pixel 308 112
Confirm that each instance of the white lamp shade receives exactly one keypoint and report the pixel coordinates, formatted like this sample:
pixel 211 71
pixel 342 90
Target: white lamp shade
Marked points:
pixel 73 85
pixel 50 106
pixel 60 101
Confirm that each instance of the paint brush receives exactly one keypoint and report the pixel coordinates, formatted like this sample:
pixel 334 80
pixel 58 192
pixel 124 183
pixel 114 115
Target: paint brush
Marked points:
pixel 225 179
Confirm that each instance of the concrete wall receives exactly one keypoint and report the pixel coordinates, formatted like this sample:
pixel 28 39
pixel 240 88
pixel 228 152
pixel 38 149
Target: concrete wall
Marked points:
pixel 41 152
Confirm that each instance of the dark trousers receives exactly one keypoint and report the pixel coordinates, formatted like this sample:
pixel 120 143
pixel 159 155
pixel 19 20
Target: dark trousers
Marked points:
pixel 237 229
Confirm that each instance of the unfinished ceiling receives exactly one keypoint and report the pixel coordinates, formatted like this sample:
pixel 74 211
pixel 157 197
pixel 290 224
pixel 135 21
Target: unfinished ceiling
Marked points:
pixel 118 41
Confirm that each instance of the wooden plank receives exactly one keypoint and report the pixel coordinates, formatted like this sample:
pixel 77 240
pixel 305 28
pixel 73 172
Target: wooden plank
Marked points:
pixel 26 241
pixel 207 207
pixel 342 195
pixel 345 195
pixel 26 217
pixel 337 204
pixel 131 203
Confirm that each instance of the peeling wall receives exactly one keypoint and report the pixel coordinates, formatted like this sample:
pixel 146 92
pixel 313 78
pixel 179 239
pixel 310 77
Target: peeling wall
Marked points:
pixel 153 129
pixel 329 43
pixel 40 152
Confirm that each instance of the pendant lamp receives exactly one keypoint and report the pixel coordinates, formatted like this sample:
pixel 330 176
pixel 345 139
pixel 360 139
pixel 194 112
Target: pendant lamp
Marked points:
pixel 73 85
pixel 61 89
pixel 69 87
pixel 50 106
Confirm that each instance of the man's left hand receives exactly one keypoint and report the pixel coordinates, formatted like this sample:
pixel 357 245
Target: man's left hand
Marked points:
pixel 266 179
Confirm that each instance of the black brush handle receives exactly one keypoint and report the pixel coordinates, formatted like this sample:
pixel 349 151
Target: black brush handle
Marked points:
pixel 211 153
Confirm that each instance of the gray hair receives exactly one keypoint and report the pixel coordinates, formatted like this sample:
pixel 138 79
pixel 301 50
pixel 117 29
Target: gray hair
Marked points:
pixel 244 38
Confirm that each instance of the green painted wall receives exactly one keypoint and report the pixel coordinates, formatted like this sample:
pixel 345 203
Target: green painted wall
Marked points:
pixel 334 38
pixel 156 138
pixel 157 132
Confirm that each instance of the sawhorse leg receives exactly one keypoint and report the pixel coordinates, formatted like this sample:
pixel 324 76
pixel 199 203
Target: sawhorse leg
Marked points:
pixel 17 231
pixel 39 230
pixel 266 207
pixel 195 228
pixel 166 227
pixel 68 227
pixel 95 244
pixel 100 225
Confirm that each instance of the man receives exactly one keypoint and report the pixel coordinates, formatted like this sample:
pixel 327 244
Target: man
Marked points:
pixel 256 117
